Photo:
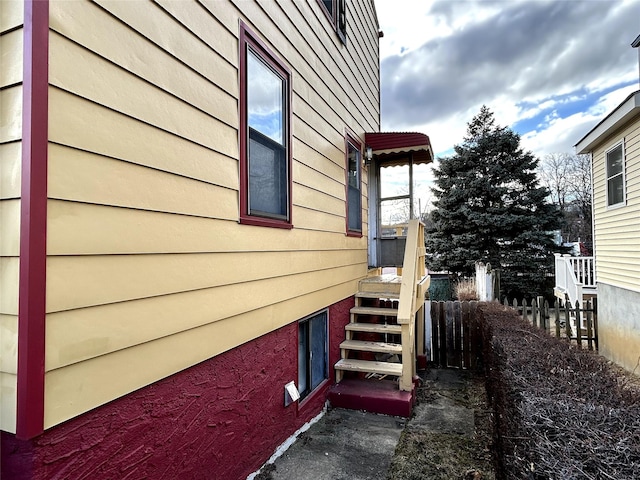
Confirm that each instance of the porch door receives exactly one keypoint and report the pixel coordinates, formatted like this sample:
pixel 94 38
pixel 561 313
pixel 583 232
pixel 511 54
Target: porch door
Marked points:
pixel 395 207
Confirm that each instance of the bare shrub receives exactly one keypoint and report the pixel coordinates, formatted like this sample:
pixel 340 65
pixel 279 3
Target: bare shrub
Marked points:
pixel 466 290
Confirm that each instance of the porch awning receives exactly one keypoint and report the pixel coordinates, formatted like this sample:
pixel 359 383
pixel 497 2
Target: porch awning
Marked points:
pixel 393 148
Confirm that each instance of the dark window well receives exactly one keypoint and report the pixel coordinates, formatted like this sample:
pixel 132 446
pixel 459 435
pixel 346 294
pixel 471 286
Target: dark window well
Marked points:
pixel 313 362
pixel 265 162
pixel 615 176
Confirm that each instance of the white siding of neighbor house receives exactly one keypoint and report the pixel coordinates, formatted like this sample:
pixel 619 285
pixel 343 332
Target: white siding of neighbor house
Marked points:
pixel 617 229
pixel 148 270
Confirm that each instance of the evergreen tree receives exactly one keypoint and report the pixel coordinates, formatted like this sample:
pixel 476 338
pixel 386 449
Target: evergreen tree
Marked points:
pixel 490 208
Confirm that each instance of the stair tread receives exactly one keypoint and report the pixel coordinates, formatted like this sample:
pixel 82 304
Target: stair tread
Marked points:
pixel 381 283
pixel 384 368
pixel 373 327
pixel 390 312
pixel 367 346
pixel 378 295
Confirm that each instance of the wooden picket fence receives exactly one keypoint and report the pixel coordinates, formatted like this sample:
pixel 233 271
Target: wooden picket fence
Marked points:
pixel 577 323
pixel 456 340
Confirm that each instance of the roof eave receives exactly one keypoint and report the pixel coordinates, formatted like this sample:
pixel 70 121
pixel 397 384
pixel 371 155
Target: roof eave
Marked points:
pixel 619 116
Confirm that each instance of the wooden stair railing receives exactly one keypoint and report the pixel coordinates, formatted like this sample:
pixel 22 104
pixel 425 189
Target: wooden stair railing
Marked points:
pixel 412 289
pixel 410 292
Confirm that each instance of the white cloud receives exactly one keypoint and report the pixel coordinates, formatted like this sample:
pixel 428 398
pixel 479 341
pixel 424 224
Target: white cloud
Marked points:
pixel 526 60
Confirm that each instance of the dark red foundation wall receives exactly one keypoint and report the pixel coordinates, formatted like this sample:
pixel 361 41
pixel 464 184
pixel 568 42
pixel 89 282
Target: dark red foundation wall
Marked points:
pixel 221 419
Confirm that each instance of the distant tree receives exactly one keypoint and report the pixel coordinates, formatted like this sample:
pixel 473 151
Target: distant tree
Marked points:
pixel 568 177
pixel 490 207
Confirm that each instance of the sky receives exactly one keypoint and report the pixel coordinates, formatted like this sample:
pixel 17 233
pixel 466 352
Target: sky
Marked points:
pixel 550 70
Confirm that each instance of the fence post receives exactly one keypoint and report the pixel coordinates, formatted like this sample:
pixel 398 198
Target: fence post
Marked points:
pixel 534 312
pixel 595 321
pixel 442 328
pixel 567 319
pixel 556 308
pixel 457 332
pixel 578 324
pixel 540 300
pixel 589 320
pixel 481 281
pixel 466 335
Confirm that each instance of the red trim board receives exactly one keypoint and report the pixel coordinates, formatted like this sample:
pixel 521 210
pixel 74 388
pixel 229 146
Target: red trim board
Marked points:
pixel 33 222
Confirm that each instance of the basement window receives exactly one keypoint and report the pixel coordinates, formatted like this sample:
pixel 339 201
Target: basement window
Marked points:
pixel 313 348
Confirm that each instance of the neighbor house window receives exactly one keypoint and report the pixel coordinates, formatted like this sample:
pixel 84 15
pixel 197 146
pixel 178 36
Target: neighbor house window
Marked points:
pixel 615 175
pixel 313 359
pixel 265 153
pixel 354 196
pixel 336 12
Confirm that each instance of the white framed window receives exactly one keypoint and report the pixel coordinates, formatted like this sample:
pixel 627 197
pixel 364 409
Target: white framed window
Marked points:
pixel 313 352
pixel 615 169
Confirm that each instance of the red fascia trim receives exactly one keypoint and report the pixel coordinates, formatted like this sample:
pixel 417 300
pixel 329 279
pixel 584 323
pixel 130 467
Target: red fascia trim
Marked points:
pixel 247 37
pixel 33 222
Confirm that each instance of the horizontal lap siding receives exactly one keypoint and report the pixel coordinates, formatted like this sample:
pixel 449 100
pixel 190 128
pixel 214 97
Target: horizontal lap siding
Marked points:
pixel 11 71
pixel 146 255
pixel 617 229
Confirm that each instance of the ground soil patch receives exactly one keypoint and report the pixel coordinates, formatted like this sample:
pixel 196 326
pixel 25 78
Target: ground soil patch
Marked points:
pixel 437 445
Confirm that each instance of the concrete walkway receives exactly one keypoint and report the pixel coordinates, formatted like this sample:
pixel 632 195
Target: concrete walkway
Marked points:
pixel 354 445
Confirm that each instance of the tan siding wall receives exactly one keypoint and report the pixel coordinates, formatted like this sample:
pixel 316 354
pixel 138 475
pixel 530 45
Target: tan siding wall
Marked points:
pixel 145 251
pixel 11 65
pixel 618 229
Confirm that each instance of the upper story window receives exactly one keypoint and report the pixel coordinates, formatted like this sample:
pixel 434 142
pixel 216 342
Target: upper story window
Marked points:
pixel 336 10
pixel 354 182
pixel 265 153
pixel 615 175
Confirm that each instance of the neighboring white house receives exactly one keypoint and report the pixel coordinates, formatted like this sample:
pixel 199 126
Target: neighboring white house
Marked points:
pixel 614 146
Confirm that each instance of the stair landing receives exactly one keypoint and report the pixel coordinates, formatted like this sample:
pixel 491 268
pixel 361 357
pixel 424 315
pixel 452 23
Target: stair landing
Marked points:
pixel 377 396
pixel 387 283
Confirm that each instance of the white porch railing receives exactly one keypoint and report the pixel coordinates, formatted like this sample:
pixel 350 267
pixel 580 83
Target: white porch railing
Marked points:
pixel 575 277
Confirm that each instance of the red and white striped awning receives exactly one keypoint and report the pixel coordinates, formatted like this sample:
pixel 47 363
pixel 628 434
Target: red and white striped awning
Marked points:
pixel 394 148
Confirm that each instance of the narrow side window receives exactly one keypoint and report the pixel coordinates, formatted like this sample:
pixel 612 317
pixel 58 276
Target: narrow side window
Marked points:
pixel 265 153
pixel 615 175
pixel 354 186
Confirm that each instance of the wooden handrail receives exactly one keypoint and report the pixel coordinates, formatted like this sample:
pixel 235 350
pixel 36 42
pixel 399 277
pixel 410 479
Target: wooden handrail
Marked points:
pixel 413 273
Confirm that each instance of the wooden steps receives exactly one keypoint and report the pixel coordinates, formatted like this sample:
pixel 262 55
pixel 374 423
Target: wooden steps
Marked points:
pixel 369 335
pixel 380 284
pixel 388 312
pixel 387 295
pixel 373 328
pixel 368 366
pixel 381 338
pixel 366 346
